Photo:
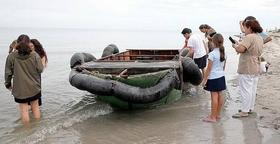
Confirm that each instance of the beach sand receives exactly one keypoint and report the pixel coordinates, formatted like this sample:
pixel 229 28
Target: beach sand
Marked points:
pixel 268 92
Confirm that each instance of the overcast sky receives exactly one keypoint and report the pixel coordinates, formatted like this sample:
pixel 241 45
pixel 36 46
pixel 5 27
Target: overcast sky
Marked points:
pixel 223 15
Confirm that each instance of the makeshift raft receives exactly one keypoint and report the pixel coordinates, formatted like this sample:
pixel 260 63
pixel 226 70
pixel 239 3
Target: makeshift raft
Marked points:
pixel 136 78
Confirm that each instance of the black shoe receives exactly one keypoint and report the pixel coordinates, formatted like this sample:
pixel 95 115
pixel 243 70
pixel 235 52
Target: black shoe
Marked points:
pixel 250 111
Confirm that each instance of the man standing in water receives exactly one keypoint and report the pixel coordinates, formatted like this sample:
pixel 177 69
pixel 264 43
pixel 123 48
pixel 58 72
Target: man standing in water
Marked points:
pixel 196 47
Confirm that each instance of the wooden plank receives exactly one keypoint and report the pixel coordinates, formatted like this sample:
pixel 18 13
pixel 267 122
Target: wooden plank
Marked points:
pixel 156 49
pixel 142 55
pixel 122 64
pixel 151 54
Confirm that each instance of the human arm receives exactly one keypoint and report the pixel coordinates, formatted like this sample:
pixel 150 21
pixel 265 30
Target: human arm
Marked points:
pixel 190 48
pixel 185 45
pixel 207 72
pixel 43 59
pixel 206 46
pixel 244 44
pixel 239 48
pixel 268 39
pixel 39 64
pixel 225 64
pixel 190 53
pixel 241 26
pixel 9 72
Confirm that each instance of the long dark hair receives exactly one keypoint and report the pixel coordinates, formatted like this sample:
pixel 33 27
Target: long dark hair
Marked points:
pixel 254 25
pixel 205 26
pixel 23 49
pixel 218 41
pixel 23 38
pixel 248 18
pixel 39 49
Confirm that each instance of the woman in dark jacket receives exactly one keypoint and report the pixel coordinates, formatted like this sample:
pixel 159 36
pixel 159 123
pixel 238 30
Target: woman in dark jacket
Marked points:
pixel 24 67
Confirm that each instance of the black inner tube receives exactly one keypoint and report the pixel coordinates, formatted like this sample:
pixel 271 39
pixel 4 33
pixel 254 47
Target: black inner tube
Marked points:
pixel 123 91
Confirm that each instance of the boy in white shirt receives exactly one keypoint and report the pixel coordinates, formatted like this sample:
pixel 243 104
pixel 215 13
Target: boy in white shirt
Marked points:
pixel 196 47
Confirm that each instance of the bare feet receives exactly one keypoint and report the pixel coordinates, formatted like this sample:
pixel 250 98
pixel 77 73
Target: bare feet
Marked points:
pixel 209 119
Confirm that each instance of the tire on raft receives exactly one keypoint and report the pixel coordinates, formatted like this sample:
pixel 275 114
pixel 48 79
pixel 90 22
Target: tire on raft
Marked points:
pixel 183 52
pixel 80 58
pixel 109 50
pixel 124 91
pixel 191 72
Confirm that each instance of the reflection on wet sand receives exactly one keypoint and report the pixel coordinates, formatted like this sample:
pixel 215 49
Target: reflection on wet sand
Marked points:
pixel 218 134
pixel 178 123
pixel 251 132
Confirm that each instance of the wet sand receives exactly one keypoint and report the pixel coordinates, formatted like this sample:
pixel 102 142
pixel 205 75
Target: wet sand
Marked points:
pixel 177 123
pixel 268 93
pixel 180 122
pixel 72 116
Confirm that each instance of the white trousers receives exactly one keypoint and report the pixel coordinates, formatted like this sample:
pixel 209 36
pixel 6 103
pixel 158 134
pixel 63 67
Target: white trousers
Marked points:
pixel 248 91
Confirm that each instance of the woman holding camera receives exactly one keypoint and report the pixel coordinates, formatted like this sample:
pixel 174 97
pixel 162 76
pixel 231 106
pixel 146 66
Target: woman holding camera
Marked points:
pixel 250 49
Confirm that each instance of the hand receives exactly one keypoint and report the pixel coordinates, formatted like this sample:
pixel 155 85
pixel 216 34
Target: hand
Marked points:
pixel 234 45
pixel 203 83
pixel 10 88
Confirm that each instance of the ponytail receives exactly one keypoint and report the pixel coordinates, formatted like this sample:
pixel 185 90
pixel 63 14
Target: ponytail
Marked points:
pixel 218 41
pixel 222 53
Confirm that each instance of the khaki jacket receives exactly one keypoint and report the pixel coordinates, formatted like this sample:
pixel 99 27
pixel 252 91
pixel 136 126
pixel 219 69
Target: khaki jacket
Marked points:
pixel 25 74
pixel 249 61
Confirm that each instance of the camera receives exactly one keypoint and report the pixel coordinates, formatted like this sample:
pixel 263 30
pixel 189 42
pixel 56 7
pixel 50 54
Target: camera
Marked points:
pixel 232 40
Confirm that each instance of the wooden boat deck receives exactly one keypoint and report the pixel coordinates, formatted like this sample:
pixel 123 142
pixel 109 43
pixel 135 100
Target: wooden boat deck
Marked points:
pixel 136 61
pixel 132 67
pixel 143 54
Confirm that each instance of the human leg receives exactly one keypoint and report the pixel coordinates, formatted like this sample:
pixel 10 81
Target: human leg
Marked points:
pixel 220 103
pixel 36 109
pixel 214 105
pixel 203 72
pixel 245 86
pixel 24 112
pixel 201 63
pixel 255 80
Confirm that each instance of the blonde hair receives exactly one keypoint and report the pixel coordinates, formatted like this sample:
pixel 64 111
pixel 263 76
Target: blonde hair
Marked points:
pixel 12 46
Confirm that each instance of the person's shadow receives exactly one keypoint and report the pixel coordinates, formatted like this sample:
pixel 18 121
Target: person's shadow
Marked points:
pixel 251 133
pixel 218 135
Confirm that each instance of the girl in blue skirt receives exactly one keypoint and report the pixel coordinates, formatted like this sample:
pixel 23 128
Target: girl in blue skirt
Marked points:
pixel 214 78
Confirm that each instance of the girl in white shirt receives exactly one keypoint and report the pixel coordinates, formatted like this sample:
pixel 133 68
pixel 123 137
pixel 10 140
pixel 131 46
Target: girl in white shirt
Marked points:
pixel 214 78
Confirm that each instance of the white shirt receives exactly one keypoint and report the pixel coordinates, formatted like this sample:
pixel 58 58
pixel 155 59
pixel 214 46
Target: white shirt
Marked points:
pixel 217 70
pixel 196 43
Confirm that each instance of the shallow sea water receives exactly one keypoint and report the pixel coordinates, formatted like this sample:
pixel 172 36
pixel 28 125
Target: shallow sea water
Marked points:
pixel 73 116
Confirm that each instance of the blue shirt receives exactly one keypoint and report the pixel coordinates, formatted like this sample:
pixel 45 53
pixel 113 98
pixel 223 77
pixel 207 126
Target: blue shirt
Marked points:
pixel 217 70
pixel 263 35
